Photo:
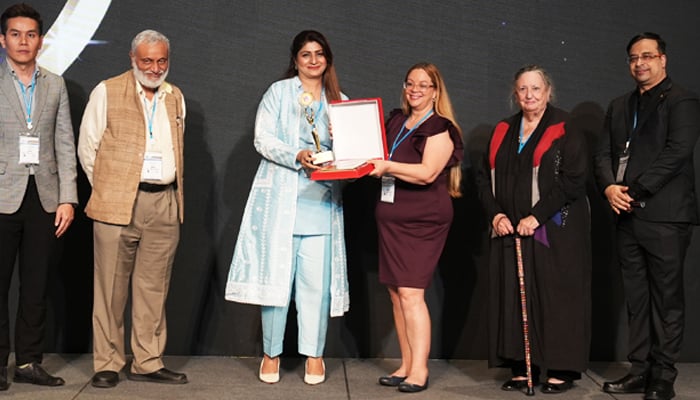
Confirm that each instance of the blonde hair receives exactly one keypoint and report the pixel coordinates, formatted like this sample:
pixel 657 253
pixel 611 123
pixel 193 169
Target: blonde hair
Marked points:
pixel 443 108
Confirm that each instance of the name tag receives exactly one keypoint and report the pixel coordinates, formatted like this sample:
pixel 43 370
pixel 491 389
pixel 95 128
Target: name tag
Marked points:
pixel 152 166
pixel 622 163
pixel 621 168
pixel 388 189
pixel 28 149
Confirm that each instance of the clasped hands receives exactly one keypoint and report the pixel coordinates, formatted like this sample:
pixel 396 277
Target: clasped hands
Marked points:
pixel 618 198
pixel 503 227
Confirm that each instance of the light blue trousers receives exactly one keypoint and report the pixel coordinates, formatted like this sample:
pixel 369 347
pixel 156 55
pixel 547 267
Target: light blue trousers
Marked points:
pixel 310 288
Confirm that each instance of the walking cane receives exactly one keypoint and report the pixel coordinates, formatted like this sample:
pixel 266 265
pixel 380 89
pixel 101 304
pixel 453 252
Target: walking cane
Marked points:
pixel 523 309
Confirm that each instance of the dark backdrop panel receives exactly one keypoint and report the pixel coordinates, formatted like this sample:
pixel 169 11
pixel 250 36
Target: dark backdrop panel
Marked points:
pixel 226 53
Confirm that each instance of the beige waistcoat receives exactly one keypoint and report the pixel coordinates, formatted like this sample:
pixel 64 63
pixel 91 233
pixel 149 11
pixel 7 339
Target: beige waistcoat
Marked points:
pixel 119 158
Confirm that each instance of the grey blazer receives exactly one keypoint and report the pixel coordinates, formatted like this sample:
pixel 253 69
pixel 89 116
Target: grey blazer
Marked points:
pixel 55 175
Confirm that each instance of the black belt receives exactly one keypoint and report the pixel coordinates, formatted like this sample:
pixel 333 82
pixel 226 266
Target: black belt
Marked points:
pixel 155 188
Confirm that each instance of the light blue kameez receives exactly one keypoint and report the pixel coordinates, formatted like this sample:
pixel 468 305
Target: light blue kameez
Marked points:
pixel 261 267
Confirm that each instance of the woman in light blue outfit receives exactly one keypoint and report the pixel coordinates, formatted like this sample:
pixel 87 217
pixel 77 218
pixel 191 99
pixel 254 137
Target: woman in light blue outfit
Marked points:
pixel 291 240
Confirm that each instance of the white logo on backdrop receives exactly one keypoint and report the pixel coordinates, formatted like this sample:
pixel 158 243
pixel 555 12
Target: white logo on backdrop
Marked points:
pixel 71 32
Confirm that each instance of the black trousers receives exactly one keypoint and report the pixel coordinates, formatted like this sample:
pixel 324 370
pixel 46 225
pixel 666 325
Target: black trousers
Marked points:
pixel 30 234
pixel 651 257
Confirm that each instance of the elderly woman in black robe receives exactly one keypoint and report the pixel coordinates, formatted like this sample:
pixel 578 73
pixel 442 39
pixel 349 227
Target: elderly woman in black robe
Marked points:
pixel 533 185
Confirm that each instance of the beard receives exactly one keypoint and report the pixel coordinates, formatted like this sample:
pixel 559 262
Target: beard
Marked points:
pixel 144 78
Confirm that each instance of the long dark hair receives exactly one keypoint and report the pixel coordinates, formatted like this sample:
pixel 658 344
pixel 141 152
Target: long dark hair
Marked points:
pixel 330 79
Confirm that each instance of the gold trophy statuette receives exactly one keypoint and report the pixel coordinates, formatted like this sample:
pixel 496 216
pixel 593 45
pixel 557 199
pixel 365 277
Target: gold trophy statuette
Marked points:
pixel 320 157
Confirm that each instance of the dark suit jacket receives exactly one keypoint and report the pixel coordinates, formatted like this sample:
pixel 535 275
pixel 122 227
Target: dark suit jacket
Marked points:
pixel 660 172
pixel 56 173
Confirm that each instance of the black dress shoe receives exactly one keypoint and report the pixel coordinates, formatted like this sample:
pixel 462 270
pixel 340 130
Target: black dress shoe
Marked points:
pixel 4 385
pixel 554 388
pixel 659 390
pixel 35 374
pixel 163 375
pixel 412 387
pixel 627 384
pixel 391 380
pixel 105 379
pixel 512 385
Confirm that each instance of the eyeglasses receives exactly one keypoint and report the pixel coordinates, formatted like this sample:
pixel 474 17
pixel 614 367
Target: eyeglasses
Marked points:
pixel 422 87
pixel 646 57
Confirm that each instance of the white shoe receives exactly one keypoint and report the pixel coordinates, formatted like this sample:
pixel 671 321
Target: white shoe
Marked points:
pixel 310 379
pixel 272 377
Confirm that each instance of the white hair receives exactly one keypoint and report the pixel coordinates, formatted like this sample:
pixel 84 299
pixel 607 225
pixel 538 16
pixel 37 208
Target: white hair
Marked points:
pixel 149 36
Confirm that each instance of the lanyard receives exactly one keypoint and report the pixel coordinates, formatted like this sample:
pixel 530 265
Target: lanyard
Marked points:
pixel 28 101
pixel 521 142
pixel 153 112
pixel 629 137
pixel 399 138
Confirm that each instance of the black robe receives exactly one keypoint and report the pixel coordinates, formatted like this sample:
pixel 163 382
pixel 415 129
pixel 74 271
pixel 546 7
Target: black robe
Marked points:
pixel 557 259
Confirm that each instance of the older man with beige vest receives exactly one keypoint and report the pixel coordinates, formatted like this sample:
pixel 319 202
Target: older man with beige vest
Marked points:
pixel 130 146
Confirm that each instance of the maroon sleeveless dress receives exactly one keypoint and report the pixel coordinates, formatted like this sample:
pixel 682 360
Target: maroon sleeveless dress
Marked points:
pixel 413 229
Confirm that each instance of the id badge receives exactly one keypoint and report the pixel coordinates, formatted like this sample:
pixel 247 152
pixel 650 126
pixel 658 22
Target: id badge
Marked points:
pixel 388 189
pixel 152 166
pixel 622 167
pixel 28 149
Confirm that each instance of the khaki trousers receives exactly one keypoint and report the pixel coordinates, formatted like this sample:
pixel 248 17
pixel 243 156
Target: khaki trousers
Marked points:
pixel 142 251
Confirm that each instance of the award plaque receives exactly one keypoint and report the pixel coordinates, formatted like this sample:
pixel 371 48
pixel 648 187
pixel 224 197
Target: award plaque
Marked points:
pixel 358 136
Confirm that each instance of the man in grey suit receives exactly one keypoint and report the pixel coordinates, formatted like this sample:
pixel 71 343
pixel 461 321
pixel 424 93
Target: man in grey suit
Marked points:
pixel 37 187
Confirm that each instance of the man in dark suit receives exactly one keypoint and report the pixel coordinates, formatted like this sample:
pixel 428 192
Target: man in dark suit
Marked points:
pixel 645 166
pixel 37 187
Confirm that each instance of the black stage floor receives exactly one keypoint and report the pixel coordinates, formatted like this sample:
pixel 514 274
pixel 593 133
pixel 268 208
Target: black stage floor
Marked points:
pixel 347 379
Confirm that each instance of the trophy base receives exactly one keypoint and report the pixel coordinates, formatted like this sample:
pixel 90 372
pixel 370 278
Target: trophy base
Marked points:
pixel 323 157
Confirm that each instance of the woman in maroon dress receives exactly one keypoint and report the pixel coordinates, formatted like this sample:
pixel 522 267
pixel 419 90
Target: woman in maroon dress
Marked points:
pixel 414 212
